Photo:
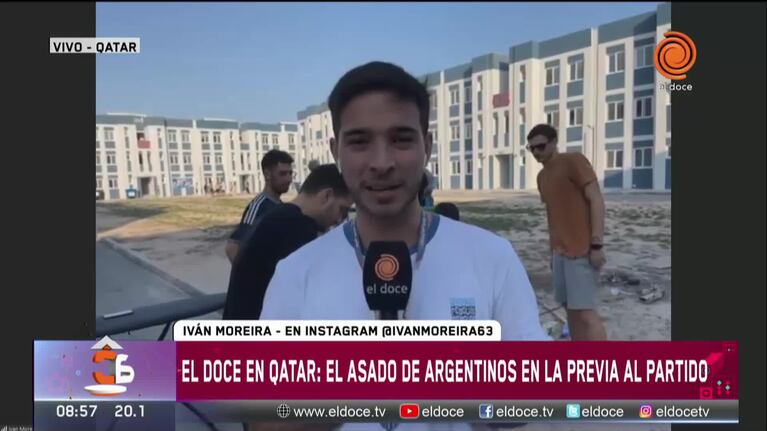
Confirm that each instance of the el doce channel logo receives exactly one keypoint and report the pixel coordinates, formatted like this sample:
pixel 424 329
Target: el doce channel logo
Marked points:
pixel 120 373
pixel 674 57
pixel 386 268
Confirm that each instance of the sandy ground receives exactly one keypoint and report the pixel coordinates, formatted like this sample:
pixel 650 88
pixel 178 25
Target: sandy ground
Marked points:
pixel 638 239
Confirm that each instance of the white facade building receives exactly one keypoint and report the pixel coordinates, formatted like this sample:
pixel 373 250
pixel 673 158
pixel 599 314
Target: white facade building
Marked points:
pixel 598 87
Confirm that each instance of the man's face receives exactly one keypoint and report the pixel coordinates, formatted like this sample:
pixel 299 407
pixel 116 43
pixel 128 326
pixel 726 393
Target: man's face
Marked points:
pixel 541 148
pixel 381 151
pixel 280 177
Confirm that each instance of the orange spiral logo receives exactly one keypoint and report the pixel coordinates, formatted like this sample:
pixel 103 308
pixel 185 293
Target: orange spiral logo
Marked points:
pixel 675 55
pixel 387 267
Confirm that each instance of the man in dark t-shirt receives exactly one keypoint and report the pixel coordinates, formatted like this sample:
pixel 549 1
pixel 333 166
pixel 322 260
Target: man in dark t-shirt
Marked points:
pixel 277 167
pixel 322 202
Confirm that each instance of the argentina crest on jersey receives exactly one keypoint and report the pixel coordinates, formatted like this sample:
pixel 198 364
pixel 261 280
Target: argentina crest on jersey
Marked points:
pixel 463 309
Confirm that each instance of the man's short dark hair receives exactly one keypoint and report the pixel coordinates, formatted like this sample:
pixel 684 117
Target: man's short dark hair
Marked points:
pixel 546 130
pixel 448 209
pixel 274 157
pixel 378 76
pixel 323 177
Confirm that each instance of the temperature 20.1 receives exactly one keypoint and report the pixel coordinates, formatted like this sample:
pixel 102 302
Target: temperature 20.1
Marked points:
pixel 127 411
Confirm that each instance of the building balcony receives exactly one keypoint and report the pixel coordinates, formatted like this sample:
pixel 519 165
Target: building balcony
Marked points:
pixel 501 99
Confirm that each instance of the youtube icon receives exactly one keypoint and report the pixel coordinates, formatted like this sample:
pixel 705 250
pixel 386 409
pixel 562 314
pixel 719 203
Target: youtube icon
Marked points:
pixel 409 411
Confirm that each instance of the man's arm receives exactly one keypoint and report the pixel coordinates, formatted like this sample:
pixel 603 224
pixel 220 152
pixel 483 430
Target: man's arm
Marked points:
pixel 583 175
pixel 515 306
pixel 597 211
pixel 232 248
pixel 233 243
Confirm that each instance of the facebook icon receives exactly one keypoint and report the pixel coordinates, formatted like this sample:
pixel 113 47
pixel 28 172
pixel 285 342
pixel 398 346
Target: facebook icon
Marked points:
pixel 485 411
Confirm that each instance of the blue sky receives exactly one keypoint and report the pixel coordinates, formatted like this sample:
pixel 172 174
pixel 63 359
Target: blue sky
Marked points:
pixel 266 61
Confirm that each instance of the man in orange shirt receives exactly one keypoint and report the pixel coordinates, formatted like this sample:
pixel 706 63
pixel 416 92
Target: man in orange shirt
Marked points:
pixel 576 217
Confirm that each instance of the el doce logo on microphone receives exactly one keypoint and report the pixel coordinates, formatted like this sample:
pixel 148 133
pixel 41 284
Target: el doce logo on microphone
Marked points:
pixel 387 267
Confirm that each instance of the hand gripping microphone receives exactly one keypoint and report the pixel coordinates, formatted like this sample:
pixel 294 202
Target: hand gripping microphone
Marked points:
pixel 387 277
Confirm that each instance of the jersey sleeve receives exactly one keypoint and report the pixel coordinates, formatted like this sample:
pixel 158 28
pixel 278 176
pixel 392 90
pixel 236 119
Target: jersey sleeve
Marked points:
pixel 515 306
pixel 242 227
pixel 284 295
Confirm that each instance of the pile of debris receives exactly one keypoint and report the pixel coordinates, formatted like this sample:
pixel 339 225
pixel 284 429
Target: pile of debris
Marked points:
pixel 616 281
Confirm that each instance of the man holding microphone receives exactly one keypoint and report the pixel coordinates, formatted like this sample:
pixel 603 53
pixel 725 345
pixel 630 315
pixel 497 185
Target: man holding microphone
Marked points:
pixel 457 271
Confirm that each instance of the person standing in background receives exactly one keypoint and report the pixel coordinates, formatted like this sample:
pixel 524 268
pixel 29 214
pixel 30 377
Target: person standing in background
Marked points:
pixel 277 167
pixel 576 217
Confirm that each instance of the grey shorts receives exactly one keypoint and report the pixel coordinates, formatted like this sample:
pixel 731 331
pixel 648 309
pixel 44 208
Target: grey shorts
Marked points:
pixel 575 282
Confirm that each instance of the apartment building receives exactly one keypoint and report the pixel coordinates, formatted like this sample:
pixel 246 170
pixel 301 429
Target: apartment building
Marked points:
pixel 598 87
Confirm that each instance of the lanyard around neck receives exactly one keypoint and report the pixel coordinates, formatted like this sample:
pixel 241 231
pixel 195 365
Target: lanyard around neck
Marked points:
pixel 420 247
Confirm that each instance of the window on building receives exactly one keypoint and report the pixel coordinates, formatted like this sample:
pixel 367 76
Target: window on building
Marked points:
pixel 455 132
pixel 643 157
pixel 454 95
pixel 616 62
pixel 522 158
pixel 467 130
pixel 576 70
pixel 247 157
pixel 127 159
pixel 206 159
pixel 275 139
pixel 643 107
pixel 98 183
pixel 98 158
pixel 506 125
pixel 479 124
pixel 242 161
pixel 173 158
pixel 112 183
pixel 495 124
pixel 522 116
pixel 109 134
pixel 435 167
pixel 97 133
pixel 552 75
pixel 615 111
pixel 522 73
pixel 291 139
pixel 219 159
pixel 614 159
pixel 467 94
pixel 111 158
pixel 576 116
pixel 434 133
pixel 433 100
pixel 185 136
pixel 479 84
pixel 469 166
pixel 216 137
pixel 187 158
pixel 644 56
pixel 455 167
pixel 205 137
pixel 552 119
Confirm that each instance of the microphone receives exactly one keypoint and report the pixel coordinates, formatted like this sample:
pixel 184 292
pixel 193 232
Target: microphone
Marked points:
pixel 387 278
